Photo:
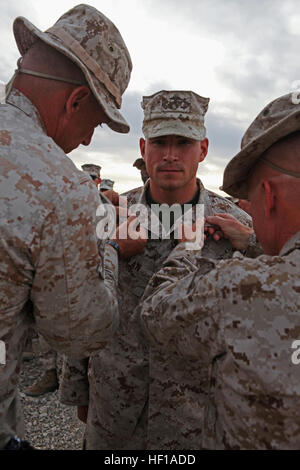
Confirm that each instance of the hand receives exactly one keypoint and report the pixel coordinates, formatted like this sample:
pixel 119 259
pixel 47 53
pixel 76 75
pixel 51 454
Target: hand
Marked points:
pixel 230 228
pixel 131 238
pixel 82 412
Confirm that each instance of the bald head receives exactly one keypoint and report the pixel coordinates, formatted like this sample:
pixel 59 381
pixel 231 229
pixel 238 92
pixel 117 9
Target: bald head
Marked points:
pixel 69 111
pixel 47 60
pixel 281 163
pixel 44 59
pixel 274 194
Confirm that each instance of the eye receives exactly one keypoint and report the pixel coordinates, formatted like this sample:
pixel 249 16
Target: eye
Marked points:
pixel 184 141
pixel 158 142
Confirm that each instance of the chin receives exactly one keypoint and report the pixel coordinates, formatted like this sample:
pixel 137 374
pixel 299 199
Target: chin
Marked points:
pixel 70 149
pixel 169 185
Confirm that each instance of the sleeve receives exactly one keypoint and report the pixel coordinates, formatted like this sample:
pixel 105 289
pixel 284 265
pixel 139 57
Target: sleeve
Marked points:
pixel 181 308
pixel 74 384
pixel 74 297
pixel 254 248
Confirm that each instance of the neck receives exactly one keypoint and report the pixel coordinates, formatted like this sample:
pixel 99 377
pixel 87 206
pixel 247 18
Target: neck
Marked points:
pixel 286 225
pixel 285 238
pixel 174 196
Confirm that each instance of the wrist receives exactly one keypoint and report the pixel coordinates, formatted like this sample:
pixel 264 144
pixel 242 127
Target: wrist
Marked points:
pixel 242 243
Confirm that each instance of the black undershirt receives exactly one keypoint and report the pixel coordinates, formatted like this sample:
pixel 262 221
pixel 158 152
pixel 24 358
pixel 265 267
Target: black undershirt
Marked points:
pixel 184 207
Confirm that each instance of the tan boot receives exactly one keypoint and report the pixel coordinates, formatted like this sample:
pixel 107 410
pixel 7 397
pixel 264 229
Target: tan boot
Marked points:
pixel 47 383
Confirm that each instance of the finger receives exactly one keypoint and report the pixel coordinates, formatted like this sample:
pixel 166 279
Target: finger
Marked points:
pixel 224 215
pixel 220 220
pixel 218 235
pixel 210 229
pixel 214 219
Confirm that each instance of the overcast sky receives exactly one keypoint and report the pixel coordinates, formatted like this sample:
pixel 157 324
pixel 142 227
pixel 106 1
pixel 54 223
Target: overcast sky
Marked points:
pixel 240 54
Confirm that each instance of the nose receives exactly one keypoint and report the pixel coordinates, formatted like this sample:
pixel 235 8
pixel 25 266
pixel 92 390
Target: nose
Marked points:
pixel 88 138
pixel 170 153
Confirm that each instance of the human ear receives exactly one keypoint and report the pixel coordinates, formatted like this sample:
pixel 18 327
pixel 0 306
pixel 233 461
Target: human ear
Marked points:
pixel 203 149
pixel 269 197
pixel 142 147
pixel 77 99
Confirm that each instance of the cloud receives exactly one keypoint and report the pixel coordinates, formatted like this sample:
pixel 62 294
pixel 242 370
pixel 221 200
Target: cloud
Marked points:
pixel 9 53
pixel 123 147
pixel 260 39
pixel 241 54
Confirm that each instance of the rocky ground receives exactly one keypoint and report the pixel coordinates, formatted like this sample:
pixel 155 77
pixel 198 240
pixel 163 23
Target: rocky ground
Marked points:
pixel 48 423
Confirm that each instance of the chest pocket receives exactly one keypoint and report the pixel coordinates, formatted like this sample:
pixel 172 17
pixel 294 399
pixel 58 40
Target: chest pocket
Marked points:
pixel 136 273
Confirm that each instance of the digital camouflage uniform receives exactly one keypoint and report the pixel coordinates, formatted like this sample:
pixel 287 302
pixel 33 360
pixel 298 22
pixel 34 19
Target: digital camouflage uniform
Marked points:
pixel 134 399
pixel 48 356
pixel 51 274
pixel 236 325
pixel 236 320
pixel 91 169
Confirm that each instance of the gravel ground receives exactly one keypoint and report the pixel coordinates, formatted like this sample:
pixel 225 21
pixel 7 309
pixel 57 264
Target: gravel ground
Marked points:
pixel 48 423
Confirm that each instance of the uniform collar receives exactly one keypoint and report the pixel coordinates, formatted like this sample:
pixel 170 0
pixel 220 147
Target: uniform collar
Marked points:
pixel 292 244
pixel 153 223
pixel 20 101
pixel 203 196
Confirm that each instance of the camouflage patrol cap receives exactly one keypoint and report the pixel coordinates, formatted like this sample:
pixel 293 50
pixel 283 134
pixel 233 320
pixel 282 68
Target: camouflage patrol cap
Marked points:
pixel 93 42
pixel 92 170
pixel 106 184
pixel 139 163
pixel 174 113
pixel 278 119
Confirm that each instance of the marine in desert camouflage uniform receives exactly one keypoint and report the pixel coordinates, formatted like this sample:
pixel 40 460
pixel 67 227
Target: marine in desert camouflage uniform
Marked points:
pixel 93 171
pixel 131 390
pixel 237 324
pixel 140 164
pixel 51 274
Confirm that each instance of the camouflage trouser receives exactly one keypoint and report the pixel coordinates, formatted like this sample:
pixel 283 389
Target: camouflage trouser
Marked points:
pixel 48 356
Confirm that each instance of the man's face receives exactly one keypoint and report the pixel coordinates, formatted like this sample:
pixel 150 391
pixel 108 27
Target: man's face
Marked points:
pixel 80 126
pixel 172 160
pixel 96 180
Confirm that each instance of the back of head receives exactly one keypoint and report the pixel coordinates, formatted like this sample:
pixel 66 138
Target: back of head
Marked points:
pixel 274 193
pixel 281 164
pixel 45 60
pixel 93 43
pixel 277 120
